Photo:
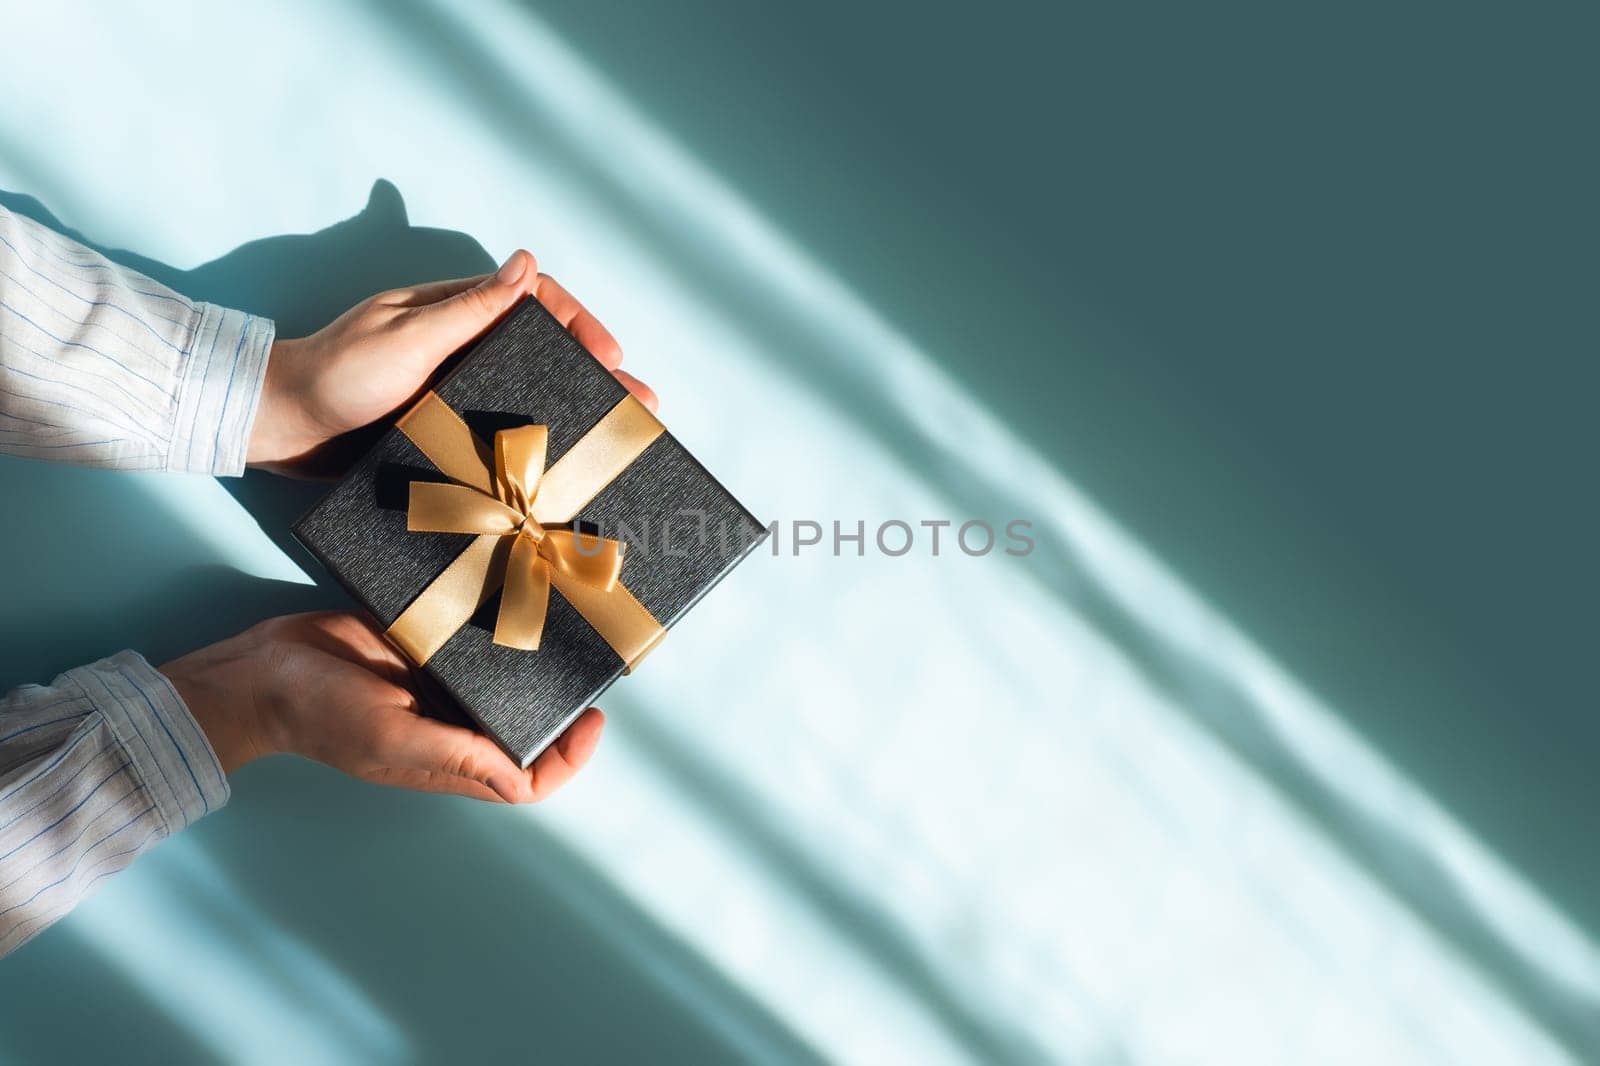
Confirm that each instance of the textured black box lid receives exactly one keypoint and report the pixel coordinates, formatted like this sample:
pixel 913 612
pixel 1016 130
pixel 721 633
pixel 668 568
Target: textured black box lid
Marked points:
pixel 529 370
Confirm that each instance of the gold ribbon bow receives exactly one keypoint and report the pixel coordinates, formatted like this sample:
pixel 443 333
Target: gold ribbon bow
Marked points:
pixel 509 499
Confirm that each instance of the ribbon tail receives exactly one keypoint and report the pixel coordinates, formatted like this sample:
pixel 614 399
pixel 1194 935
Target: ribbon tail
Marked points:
pixel 526 599
pixel 446 604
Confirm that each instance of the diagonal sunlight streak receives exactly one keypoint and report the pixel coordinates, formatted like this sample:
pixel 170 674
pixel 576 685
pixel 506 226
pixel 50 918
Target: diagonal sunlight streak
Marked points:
pixel 1508 918
pixel 242 954
pixel 919 809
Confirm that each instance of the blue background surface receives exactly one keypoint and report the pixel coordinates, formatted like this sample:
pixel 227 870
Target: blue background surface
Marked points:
pixel 1280 746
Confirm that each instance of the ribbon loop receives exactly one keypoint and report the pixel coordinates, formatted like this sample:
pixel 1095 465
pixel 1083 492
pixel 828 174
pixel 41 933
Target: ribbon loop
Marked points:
pixel 588 558
pixel 519 464
pixel 437 508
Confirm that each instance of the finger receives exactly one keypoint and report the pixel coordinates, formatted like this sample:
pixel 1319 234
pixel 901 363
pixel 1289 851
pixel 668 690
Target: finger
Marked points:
pixel 583 326
pixel 446 325
pixel 641 392
pixel 556 764
pixel 431 292
pixel 436 747
pixel 433 781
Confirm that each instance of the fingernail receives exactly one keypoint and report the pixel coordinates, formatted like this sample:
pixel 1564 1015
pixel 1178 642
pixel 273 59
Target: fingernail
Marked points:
pixel 511 271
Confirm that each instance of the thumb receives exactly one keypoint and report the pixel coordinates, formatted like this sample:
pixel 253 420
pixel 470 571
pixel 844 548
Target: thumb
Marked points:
pixel 458 318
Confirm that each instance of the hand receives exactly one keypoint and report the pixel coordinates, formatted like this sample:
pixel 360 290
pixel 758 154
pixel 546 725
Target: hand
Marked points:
pixel 375 359
pixel 329 687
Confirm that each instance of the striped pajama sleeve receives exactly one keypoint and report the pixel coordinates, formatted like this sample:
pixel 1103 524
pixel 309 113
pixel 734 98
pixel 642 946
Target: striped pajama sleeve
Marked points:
pixel 102 366
pixel 100 765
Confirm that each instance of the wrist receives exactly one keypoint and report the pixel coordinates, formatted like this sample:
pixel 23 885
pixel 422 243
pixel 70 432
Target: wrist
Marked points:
pixel 279 435
pixel 216 685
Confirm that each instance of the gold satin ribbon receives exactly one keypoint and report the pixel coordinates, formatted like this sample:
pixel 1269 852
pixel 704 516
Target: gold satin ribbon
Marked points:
pixel 507 497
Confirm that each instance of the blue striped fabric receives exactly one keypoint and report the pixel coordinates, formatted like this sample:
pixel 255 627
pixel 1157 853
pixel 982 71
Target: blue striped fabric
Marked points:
pixel 94 768
pixel 102 366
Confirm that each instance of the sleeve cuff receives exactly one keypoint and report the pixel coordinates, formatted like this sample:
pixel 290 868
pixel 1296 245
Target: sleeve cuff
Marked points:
pixel 165 745
pixel 219 390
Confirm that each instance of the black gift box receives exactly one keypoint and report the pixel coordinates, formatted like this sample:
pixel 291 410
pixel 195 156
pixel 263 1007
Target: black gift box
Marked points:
pixel 683 532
